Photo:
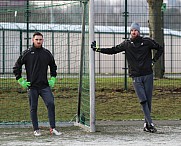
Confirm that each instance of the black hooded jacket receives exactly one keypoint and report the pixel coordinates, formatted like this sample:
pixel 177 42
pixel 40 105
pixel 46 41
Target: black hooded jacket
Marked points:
pixel 138 53
pixel 36 61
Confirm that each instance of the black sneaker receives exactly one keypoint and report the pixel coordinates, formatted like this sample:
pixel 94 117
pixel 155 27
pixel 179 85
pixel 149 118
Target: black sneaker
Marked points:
pixel 152 129
pixel 149 128
pixel 145 128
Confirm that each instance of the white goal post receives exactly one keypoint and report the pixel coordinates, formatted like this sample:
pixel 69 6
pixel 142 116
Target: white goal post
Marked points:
pixel 92 67
pixel 91 127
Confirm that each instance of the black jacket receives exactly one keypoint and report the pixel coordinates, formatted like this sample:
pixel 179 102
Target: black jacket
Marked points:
pixel 138 53
pixel 36 61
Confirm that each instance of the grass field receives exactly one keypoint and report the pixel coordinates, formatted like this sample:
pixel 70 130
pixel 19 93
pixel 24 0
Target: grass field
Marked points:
pixel 112 101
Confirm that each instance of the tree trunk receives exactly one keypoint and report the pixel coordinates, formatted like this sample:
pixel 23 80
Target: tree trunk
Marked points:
pixel 156 32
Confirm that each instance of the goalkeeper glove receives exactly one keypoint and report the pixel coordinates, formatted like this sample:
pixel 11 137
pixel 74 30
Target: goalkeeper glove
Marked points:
pixel 94 47
pixel 51 82
pixel 23 82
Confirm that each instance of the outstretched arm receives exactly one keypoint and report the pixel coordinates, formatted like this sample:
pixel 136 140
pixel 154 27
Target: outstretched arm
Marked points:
pixel 113 50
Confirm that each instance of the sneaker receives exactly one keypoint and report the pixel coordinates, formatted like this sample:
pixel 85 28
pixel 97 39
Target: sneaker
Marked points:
pixel 152 129
pixel 145 128
pixel 54 131
pixel 149 128
pixel 37 133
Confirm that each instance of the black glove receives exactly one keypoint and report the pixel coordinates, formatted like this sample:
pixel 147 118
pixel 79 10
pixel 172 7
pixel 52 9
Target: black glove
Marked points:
pixel 94 47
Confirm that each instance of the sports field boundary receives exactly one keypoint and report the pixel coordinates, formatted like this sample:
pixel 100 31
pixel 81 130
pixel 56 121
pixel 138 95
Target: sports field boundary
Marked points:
pixel 98 123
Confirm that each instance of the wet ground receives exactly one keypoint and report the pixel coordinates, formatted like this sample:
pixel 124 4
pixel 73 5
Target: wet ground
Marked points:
pixel 109 133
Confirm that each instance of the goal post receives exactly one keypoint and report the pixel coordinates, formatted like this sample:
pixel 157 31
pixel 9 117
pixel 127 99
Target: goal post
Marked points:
pixel 81 115
pixel 92 67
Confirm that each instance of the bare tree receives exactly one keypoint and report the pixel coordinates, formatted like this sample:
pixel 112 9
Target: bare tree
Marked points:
pixel 156 31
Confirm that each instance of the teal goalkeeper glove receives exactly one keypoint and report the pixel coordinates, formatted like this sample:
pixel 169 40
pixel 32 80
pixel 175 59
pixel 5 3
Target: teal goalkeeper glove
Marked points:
pixel 51 82
pixel 23 82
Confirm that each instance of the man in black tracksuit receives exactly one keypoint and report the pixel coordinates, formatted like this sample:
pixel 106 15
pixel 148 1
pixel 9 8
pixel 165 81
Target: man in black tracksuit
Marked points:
pixel 36 60
pixel 138 51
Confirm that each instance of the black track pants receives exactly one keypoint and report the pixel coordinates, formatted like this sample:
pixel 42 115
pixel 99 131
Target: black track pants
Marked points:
pixel 48 99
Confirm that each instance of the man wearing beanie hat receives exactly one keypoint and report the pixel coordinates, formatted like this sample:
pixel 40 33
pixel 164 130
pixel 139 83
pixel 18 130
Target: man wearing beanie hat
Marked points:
pixel 135 26
pixel 138 51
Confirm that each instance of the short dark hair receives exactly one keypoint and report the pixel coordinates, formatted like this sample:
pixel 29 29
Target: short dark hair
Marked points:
pixel 37 33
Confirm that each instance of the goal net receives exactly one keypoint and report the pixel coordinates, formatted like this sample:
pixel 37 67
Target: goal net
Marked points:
pixel 66 30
